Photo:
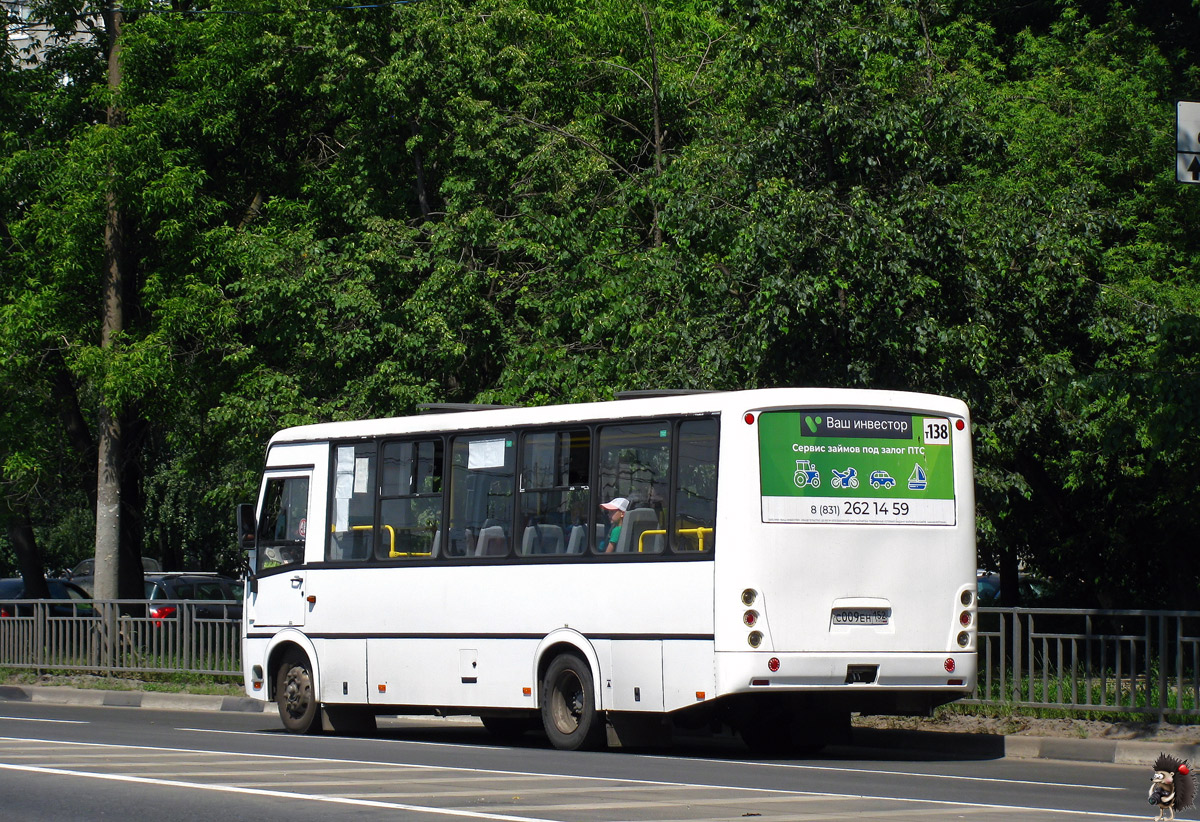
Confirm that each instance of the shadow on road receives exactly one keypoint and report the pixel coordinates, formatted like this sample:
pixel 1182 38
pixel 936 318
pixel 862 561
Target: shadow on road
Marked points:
pixel 865 744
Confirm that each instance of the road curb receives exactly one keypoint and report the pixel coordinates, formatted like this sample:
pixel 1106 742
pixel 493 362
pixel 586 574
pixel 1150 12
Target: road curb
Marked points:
pixel 1113 751
pixel 61 695
pixel 985 746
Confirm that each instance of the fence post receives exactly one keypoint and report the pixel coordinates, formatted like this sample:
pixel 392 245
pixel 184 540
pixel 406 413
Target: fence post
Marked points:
pixel 1017 652
pixel 1163 659
pixel 39 634
pixel 1005 695
pixel 187 613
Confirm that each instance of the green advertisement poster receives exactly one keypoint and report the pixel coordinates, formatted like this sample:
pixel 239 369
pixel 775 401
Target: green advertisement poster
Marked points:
pixel 852 466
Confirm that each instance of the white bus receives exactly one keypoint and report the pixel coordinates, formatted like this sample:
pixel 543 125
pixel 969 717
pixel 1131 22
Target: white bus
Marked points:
pixel 771 560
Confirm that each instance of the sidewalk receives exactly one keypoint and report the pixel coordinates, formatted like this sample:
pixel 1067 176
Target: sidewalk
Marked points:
pixel 938 743
pixel 62 695
pixel 1024 746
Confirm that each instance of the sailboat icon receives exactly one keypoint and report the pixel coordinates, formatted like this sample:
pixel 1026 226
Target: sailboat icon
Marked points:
pixel 916 480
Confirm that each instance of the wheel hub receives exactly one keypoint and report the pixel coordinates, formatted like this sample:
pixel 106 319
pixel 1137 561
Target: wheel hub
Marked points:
pixel 297 690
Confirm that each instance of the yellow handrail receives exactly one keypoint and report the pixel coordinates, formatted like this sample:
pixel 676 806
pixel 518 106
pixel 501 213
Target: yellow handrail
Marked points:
pixel 699 532
pixel 643 537
pixel 392 552
pixel 391 536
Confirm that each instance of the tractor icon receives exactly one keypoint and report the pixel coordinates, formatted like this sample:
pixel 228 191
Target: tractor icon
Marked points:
pixel 845 479
pixel 806 474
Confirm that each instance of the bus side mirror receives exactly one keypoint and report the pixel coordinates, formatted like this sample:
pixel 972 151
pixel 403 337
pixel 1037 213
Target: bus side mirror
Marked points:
pixel 246 526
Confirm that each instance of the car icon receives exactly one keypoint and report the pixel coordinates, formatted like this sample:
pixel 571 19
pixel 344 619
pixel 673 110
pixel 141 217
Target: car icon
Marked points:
pixel 881 479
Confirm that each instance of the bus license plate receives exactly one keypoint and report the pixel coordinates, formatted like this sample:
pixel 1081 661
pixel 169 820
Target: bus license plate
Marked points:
pixel 862 616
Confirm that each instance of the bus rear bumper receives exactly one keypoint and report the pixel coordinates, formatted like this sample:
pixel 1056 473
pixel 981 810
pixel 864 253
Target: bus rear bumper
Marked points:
pixel 748 672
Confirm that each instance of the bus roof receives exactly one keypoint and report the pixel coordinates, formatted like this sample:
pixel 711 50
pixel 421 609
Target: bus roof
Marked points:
pixel 718 402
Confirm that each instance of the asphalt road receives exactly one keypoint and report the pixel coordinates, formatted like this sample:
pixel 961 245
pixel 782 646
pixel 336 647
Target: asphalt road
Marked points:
pixel 70 762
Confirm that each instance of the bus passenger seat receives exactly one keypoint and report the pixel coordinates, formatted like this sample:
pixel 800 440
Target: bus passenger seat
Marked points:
pixel 492 542
pixel 578 541
pixel 542 539
pixel 637 521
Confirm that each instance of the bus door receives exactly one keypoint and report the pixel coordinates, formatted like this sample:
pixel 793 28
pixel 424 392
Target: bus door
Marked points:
pixel 278 598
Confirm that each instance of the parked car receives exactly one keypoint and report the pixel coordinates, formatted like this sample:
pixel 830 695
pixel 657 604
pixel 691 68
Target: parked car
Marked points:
pixel 1031 590
pixel 75 599
pixel 84 574
pixel 194 586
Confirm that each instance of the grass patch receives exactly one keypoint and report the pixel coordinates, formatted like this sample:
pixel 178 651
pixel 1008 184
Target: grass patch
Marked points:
pixel 166 682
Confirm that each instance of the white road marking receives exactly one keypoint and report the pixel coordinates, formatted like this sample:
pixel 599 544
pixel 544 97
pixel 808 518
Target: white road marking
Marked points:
pixel 414 742
pixel 874 772
pixel 549 776
pixel 341 800
pixel 307 797
pixel 38 719
pixel 742 763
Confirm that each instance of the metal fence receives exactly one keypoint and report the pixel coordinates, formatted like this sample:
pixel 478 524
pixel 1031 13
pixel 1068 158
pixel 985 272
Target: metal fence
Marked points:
pixel 114 637
pixel 1136 663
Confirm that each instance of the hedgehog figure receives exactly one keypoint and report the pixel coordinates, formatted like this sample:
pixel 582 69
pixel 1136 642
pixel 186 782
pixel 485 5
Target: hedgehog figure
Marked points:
pixel 1172 787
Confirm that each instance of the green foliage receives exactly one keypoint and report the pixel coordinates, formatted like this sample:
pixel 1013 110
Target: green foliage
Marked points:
pixel 340 214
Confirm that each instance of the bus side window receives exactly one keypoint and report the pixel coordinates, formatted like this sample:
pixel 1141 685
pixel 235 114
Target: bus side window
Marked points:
pixel 696 488
pixel 410 507
pixel 555 492
pixel 352 503
pixel 481 496
pixel 284 523
pixel 635 464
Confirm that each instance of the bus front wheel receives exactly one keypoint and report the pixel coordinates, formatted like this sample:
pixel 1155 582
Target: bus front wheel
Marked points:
pixel 569 712
pixel 294 695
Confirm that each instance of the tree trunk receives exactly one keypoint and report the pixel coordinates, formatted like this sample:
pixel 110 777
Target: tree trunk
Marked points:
pixel 656 95
pixel 418 162
pixel 20 536
pixel 66 397
pixel 108 464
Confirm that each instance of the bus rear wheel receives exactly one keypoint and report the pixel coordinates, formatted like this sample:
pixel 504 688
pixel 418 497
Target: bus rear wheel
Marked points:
pixel 294 695
pixel 568 706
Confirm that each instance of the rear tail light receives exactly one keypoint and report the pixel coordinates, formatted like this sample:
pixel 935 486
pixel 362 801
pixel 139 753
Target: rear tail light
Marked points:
pixel 160 612
pixel 4 612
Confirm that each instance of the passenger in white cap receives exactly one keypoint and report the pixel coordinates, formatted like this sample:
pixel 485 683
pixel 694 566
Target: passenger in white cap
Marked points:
pixel 616 513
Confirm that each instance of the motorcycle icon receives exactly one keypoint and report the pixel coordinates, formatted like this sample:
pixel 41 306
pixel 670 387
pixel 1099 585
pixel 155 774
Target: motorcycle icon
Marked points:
pixel 845 479
pixel 806 474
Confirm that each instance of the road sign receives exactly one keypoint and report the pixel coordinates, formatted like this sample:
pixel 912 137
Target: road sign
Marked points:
pixel 1187 141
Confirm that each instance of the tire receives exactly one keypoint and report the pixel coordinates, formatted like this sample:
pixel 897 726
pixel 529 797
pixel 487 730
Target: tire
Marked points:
pixel 568 705
pixel 298 707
